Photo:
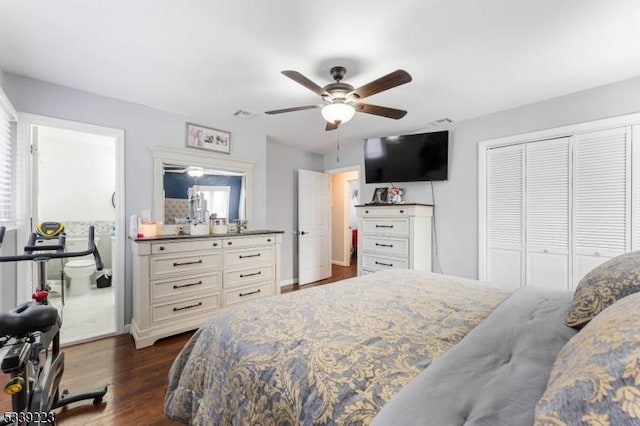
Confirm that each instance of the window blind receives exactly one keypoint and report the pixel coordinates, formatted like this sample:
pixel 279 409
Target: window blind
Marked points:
pixel 7 162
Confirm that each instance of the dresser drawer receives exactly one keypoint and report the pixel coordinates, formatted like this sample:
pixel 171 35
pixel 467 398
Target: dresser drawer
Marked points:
pixel 386 227
pixel 247 276
pixel 176 310
pixel 389 246
pixel 256 291
pixel 248 241
pixel 178 288
pixel 254 256
pixel 376 263
pixel 184 246
pixel 386 211
pixel 193 262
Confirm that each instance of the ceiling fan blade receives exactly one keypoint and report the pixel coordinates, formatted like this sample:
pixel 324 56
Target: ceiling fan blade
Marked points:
pixel 332 126
pixel 300 108
pixel 301 79
pixel 387 82
pixel 396 114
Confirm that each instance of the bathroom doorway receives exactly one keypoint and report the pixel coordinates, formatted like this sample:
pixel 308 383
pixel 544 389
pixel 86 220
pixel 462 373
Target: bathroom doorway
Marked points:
pixel 345 186
pixel 75 177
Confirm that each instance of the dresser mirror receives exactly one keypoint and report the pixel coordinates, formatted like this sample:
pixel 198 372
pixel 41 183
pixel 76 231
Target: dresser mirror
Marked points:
pixel 223 185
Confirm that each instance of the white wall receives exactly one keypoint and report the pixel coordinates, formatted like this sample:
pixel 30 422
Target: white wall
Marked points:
pixel 456 200
pixel 144 128
pixel 282 199
pixel 76 176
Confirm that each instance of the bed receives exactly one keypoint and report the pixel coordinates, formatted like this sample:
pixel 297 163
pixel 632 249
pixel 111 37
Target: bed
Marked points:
pixel 395 347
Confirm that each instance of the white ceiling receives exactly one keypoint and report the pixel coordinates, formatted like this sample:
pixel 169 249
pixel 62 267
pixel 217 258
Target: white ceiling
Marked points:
pixel 207 59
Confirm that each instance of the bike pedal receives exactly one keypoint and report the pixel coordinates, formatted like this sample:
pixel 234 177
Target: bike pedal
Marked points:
pixel 14 386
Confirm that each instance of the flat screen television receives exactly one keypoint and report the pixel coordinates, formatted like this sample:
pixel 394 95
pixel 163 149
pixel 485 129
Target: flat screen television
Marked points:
pixel 407 158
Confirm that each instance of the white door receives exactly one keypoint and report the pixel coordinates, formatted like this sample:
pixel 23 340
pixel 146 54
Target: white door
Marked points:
pixel 505 210
pixel 635 197
pixel 602 181
pixel 314 226
pixel 547 214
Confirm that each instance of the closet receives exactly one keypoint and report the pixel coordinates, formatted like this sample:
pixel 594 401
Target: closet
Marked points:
pixel 555 204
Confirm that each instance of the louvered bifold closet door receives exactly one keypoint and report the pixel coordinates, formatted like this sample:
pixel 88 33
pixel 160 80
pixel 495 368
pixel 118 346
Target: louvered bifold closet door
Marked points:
pixel 547 214
pixel 601 198
pixel 635 196
pixel 505 233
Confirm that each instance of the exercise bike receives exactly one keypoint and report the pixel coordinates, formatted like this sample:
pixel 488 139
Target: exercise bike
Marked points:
pixel 31 333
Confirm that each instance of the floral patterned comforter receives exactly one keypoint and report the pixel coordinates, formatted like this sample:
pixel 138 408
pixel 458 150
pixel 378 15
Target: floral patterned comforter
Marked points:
pixel 333 354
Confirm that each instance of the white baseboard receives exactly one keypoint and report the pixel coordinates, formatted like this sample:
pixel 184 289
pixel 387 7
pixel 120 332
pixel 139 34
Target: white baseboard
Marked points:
pixel 288 282
pixel 335 262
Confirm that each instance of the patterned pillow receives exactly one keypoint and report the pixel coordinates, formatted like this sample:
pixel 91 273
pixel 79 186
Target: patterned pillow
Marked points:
pixel 611 281
pixel 595 379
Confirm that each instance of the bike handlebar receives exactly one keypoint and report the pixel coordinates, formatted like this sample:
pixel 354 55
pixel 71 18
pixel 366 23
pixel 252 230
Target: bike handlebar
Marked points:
pixel 31 247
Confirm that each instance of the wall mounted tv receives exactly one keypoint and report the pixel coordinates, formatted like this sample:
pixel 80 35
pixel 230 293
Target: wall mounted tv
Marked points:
pixel 407 158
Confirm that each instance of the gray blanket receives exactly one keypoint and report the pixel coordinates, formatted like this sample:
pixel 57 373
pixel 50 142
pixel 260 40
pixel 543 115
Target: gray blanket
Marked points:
pixel 326 355
pixel 496 374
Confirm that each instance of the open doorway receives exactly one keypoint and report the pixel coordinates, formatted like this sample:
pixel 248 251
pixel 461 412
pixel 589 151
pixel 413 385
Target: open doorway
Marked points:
pixel 345 195
pixel 76 178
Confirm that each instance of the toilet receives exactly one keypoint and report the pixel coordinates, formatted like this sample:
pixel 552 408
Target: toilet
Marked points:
pixel 79 269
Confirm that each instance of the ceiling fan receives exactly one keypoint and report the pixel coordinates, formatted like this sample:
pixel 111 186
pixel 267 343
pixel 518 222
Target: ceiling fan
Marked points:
pixel 341 100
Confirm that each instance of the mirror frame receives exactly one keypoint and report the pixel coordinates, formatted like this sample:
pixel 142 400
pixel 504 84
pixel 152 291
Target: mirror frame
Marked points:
pixel 162 156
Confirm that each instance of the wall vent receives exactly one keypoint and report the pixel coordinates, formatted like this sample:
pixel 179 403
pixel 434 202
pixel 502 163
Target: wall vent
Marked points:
pixel 244 114
pixel 441 121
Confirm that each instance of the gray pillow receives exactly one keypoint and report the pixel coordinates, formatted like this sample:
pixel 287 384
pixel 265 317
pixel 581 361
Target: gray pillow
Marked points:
pixel 604 285
pixel 595 379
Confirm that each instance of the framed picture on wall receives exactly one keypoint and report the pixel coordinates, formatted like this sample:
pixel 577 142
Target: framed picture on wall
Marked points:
pixel 208 138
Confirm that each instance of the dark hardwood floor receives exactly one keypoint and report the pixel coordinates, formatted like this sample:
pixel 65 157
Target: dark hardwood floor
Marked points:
pixel 136 379
pixel 337 273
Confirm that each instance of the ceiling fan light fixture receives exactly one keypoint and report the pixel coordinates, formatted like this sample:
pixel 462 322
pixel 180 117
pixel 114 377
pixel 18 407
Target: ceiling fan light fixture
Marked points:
pixel 338 112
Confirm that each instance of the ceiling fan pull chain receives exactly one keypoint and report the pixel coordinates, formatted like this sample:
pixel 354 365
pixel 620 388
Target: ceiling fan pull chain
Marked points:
pixel 338 147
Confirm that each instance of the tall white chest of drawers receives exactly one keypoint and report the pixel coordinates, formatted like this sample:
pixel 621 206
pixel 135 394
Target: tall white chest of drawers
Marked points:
pixel 179 282
pixel 394 236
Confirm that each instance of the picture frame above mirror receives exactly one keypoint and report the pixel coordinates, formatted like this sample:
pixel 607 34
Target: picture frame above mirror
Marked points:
pixel 208 138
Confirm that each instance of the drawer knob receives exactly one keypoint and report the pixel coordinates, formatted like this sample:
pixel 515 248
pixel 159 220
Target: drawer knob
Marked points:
pixel 384 264
pixel 161 248
pixel 229 242
pixel 249 293
pixel 187 307
pixel 366 211
pixel 401 211
pixel 215 244
pixel 268 240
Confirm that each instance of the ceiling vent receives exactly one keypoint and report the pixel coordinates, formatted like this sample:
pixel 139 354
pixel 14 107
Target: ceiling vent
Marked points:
pixel 244 114
pixel 441 121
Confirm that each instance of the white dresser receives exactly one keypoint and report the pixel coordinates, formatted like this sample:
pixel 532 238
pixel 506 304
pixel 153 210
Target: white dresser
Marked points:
pixel 394 236
pixel 178 282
